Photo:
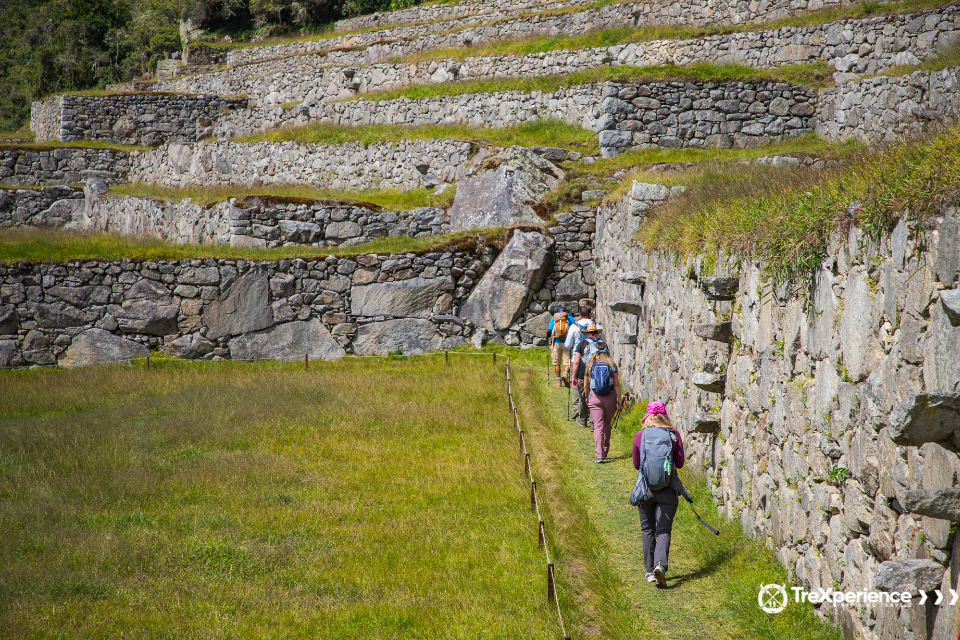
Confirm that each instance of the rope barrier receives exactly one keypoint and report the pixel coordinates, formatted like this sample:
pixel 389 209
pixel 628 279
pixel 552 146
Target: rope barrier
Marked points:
pixel 535 504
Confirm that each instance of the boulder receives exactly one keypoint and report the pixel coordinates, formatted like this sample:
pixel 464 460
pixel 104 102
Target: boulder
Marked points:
pixel 538 324
pixel 712 382
pixel 409 335
pixel 243 308
pixel 189 347
pixel 704 423
pixel 551 153
pixel 62 213
pixel 719 288
pixel 502 189
pixel 96 346
pixel 943 504
pixel 505 289
pixel 911 576
pixel 719 331
pixel 623 306
pixel 290 341
pixel 925 417
pixel 9 322
pixel 412 298
pixel 303 232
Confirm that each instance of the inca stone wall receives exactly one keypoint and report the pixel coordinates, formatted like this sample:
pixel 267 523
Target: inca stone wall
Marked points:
pixel 712 114
pixel 865 46
pixel 49 206
pixel 464 31
pixel 198 54
pixel 888 109
pixel 424 13
pixel 143 118
pixel 788 403
pixel 576 105
pixel 23 167
pixel 403 165
pixel 253 222
pixel 76 313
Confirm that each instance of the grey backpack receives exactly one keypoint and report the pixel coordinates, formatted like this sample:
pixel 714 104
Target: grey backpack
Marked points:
pixel 656 463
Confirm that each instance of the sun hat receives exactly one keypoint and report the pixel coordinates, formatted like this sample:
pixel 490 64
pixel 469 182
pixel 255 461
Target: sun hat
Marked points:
pixel 654 408
pixel 592 328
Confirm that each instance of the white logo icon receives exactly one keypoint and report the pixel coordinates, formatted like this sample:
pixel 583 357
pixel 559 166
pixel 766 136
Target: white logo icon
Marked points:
pixel 772 598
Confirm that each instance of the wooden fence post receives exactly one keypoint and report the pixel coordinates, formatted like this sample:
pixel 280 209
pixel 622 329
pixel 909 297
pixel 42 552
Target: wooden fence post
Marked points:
pixel 306 362
pixel 526 463
pixel 551 591
pixel 542 536
pixel 533 495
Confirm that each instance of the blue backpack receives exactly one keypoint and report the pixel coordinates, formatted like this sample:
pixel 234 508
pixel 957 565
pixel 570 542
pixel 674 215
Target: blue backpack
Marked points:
pixel 656 458
pixel 601 378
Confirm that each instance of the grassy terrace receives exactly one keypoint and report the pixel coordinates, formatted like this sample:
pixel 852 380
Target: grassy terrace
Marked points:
pixel 36 244
pixel 814 74
pixel 548 133
pixel 626 34
pixel 386 198
pixel 29 145
pixel 364 498
pixel 785 219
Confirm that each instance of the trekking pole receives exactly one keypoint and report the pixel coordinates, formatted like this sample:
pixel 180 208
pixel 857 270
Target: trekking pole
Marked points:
pixel 686 496
pixel 568 403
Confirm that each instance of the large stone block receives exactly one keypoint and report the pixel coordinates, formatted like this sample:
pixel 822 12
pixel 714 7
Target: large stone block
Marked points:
pixel 8 320
pixel 572 287
pixel 911 576
pixel 81 296
pixel 409 335
pixel 925 417
pixel 712 382
pixel 943 504
pixel 96 346
pixel 290 341
pixel 412 298
pixel 504 291
pixel 502 190
pixel 189 347
pixel 243 308
pixel 719 288
pixel 719 331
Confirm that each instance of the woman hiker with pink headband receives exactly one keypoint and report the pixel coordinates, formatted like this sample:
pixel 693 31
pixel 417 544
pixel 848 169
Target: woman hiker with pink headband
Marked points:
pixel 661 457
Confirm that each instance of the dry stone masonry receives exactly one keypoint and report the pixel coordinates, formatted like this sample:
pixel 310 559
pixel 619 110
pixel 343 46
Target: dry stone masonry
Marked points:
pixel 55 206
pixel 85 313
pixel 828 425
pixel 39 166
pixel 685 114
pixel 143 118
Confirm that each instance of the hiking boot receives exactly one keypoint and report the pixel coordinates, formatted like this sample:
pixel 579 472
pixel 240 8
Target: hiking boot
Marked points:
pixel 599 460
pixel 582 425
pixel 660 575
pixel 651 578
pixel 559 384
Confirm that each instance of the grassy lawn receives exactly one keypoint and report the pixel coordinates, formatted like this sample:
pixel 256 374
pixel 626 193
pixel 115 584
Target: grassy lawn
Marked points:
pixel 38 244
pixel 547 133
pixel 365 498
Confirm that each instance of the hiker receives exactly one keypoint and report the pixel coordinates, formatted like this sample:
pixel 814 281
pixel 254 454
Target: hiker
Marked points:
pixel 557 330
pixel 659 449
pixel 604 395
pixel 587 335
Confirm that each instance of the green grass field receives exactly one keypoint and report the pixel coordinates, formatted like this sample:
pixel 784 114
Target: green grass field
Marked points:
pixel 360 499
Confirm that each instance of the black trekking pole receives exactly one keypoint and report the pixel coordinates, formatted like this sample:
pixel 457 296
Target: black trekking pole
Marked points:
pixel 568 403
pixel 686 496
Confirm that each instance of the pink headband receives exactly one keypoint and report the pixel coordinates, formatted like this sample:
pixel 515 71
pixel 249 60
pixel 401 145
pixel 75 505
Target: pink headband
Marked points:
pixel 654 408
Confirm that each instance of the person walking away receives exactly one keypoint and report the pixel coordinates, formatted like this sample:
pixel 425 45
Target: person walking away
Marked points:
pixel 556 336
pixel 658 449
pixel 589 334
pixel 604 397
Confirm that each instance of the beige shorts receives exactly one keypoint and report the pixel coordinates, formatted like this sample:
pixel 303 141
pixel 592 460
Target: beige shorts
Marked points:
pixel 558 353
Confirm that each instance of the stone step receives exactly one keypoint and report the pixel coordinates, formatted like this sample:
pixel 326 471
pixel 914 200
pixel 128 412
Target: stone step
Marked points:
pixel 712 382
pixel 623 306
pixel 633 277
pixel 718 331
pixel 926 417
pixel 704 423
pixel 933 503
pixel 719 287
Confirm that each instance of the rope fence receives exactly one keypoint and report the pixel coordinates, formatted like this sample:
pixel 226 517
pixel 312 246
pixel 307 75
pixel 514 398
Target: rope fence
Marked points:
pixel 534 502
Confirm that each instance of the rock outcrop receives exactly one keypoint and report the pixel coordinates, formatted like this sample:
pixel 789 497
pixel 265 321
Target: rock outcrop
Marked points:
pixel 96 346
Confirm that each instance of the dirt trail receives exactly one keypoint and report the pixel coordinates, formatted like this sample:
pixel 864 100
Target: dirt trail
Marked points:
pixel 688 608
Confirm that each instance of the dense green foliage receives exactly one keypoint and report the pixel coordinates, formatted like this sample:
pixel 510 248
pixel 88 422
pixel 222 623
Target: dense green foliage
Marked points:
pixel 51 46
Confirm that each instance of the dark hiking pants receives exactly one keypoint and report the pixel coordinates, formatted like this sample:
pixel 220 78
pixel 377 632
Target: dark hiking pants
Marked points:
pixel 656 522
